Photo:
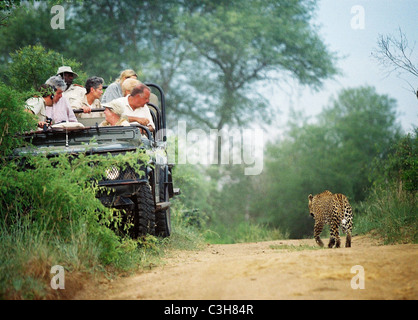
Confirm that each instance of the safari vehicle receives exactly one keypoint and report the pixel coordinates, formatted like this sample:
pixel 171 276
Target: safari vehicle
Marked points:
pixel 144 198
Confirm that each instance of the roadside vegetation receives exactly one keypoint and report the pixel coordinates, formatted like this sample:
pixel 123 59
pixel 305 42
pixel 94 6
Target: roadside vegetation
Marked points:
pixel 391 208
pixel 49 213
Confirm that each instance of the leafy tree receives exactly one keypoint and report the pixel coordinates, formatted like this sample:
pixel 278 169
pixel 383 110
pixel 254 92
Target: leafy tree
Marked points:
pixel 362 125
pixel 31 66
pixel 237 49
pixel 336 153
pixel 399 165
pixel 29 24
pixel 13 121
pixel 6 6
pixel 209 56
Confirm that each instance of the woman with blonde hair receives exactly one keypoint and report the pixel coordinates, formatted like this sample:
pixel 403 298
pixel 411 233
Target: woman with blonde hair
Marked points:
pixel 128 86
pixel 114 90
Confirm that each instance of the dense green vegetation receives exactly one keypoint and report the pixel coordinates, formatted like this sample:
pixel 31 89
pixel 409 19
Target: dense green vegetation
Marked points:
pixel 390 210
pixel 355 147
pixel 209 57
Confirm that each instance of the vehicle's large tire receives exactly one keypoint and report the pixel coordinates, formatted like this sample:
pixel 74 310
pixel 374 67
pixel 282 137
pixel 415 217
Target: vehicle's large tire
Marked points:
pixel 163 217
pixel 144 212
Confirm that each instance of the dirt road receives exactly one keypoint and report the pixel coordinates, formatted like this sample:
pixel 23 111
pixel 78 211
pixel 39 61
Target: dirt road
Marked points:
pixel 289 269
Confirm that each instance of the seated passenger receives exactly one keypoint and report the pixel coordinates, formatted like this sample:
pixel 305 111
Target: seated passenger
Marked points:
pixel 135 106
pixel 48 106
pixel 128 85
pixel 91 100
pixel 60 111
pixel 114 90
pixel 36 105
pixel 113 113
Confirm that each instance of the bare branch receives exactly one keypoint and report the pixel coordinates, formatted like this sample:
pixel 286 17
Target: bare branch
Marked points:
pixel 394 54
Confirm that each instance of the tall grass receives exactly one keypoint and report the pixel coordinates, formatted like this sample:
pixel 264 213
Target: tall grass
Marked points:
pixel 391 213
pixel 27 255
pixel 215 230
pixel 244 231
pixel 50 215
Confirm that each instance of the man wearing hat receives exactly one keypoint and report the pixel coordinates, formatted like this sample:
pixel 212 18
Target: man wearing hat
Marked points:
pixel 74 92
pixel 113 113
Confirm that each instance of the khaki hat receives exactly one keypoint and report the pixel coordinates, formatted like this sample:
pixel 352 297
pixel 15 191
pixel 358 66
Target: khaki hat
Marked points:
pixel 115 107
pixel 66 69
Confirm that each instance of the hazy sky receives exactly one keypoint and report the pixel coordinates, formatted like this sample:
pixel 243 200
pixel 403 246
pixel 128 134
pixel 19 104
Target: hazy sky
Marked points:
pixel 351 28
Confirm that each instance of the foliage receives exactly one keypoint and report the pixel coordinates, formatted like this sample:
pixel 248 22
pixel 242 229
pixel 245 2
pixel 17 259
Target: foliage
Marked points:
pixel 57 194
pixel 49 211
pixel 13 120
pixel 244 231
pixel 361 125
pixel 6 6
pixel 389 213
pixel 31 66
pixel 400 164
pixel 336 154
pixel 208 56
pixel 196 190
pixel 391 207
pixel 211 202
pixel 237 49
pixel 52 202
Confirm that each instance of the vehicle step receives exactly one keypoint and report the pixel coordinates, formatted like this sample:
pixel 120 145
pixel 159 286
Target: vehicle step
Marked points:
pixel 162 206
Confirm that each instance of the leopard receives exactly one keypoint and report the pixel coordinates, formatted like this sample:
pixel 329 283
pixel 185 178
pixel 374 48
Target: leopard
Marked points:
pixel 334 210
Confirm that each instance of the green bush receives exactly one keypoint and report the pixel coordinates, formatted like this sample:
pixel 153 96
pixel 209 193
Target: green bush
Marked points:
pixel 50 214
pixel 400 164
pixel 13 120
pixel 244 231
pixel 389 213
pixel 391 208
pixel 31 66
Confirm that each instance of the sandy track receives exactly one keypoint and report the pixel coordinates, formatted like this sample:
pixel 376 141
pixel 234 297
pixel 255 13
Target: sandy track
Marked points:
pixel 287 269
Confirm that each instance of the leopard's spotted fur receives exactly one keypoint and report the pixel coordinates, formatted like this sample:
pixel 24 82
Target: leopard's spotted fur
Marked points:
pixel 334 210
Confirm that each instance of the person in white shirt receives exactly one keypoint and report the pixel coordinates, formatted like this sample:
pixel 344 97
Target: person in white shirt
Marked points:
pixel 60 111
pixel 91 100
pixel 47 106
pixel 73 92
pixel 36 105
pixel 135 106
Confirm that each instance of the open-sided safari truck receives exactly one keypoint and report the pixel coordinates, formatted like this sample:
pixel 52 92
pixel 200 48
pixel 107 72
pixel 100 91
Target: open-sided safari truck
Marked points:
pixel 144 197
